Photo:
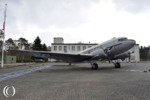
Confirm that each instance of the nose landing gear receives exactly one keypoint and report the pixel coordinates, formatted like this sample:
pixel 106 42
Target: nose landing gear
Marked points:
pixel 117 65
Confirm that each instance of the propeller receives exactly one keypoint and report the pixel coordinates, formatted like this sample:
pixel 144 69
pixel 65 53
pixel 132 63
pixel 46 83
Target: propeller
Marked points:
pixel 130 55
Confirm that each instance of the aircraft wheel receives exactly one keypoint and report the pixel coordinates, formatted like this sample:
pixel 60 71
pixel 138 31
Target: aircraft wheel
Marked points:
pixel 117 65
pixel 94 66
pixel 70 64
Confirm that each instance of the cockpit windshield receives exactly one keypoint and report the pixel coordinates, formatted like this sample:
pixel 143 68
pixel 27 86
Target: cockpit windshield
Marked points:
pixel 122 39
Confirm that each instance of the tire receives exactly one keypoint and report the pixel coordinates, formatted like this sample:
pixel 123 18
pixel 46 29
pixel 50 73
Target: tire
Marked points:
pixel 94 66
pixel 117 65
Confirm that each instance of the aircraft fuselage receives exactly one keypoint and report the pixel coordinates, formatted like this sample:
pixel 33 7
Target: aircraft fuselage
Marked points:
pixel 110 48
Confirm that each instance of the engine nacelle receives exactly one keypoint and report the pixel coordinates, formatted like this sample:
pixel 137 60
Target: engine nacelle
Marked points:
pixel 99 53
pixel 102 53
pixel 123 55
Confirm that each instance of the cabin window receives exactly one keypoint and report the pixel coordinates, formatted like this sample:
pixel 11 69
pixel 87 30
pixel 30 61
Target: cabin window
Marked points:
pixel 122 39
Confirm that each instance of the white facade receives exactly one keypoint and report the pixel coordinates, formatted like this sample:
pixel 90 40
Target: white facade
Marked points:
pixel 61 47
pixel 18 44
pixel 70 47
pixel 135 56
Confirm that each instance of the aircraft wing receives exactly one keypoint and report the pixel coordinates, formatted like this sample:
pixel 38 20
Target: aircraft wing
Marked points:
pixel 68 57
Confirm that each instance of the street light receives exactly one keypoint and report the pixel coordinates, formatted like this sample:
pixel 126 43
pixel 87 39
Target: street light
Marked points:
pixel 2 36
pixel 2 47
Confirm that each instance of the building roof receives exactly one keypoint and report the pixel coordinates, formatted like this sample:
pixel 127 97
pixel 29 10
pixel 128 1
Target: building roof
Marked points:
pixel 74 43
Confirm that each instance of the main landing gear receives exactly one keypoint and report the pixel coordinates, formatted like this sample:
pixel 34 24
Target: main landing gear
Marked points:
pixel 117 65
pixel 94 66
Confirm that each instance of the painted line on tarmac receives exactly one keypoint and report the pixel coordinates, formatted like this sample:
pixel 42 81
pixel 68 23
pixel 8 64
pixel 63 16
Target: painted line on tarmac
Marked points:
pixel 132 70
pixel 15 74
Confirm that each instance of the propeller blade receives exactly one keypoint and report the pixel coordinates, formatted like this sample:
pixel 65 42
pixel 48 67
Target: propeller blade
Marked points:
pixel 129 57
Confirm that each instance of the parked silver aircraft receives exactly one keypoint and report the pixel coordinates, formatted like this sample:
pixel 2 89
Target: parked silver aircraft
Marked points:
pixel 116 48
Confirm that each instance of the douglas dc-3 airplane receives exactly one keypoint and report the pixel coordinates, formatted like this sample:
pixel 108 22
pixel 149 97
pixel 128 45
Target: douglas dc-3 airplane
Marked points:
pixel 111 50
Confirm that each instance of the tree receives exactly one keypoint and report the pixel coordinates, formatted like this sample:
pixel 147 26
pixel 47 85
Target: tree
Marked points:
pixel 37 44
pixel 144 53
pixel 48 48
pixel 10 40
pixel 23 42
pixel 44 47
pixel 10 44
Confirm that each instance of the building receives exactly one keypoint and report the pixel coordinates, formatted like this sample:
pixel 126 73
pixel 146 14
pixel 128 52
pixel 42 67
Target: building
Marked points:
pixel 61 47
pixel 135 56
pixel 22 46
pixel 18 44
pixel 58 40
pixel 9 59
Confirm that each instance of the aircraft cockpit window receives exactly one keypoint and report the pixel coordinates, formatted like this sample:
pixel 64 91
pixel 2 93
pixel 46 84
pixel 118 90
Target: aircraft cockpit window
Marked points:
pixel 122 39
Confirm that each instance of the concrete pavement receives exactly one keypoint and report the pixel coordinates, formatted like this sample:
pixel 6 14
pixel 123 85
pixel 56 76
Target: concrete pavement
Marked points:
pixel 79 82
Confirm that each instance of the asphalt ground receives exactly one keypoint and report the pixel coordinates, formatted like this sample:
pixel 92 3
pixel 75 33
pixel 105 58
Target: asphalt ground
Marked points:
pixel 59 81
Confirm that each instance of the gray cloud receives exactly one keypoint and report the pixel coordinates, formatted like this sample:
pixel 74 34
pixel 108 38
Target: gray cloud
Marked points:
pixel 11 1
pixel 133 6
pixel 42 14
pixel 60 13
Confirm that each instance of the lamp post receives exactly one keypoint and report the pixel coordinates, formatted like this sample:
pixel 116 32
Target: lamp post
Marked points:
pixel 2 35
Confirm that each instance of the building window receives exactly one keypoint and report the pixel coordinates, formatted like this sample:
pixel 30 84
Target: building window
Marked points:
pixel 73 48
pixel 55 48
pixel 84 47
pixel 65 48
pixel 60 48
pixel 78 48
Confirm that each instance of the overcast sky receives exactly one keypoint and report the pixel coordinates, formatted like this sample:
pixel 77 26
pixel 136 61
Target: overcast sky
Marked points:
pixel 77 20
